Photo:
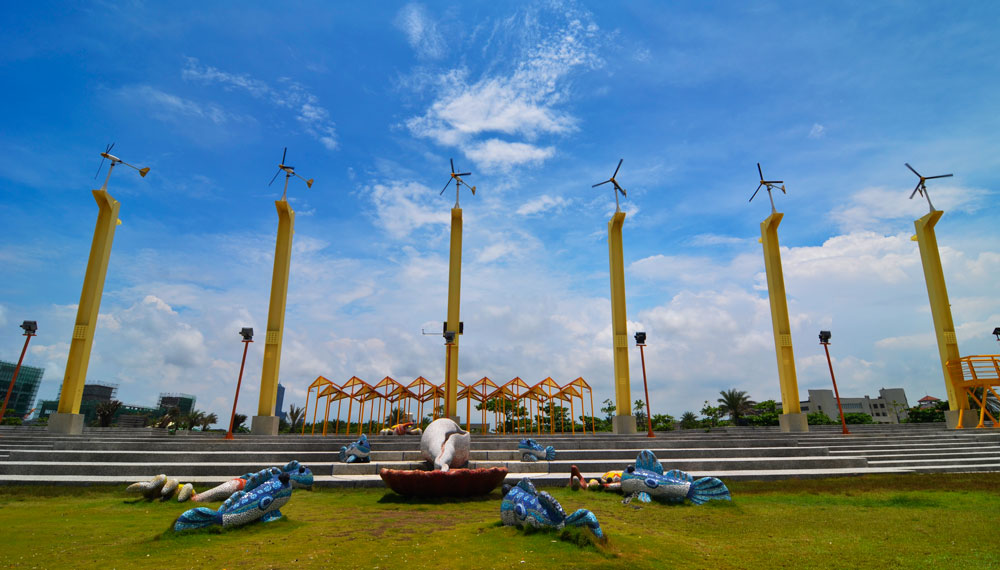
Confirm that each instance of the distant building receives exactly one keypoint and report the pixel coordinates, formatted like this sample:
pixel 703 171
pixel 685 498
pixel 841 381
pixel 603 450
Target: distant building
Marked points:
pixel 25 389
pixel 927 402
pixel 185 402
pixel 98 392
pixel 279 402
pixel 889 408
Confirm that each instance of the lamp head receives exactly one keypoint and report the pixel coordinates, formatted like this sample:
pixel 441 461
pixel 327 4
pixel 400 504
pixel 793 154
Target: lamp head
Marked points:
pixel 247 333
pixel 449 337
pixel 31 326
pixel 996 331
pixel 824 337
pixel 640 338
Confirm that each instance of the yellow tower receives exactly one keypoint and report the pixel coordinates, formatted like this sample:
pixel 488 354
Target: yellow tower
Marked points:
pixel 792 419
pixel 266 422
pixel 944 327
pixel 453 326
pixel 624 421
pixel 67 419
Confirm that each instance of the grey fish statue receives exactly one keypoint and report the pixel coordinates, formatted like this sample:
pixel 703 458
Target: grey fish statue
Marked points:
pixel 523 506
pixel 265 493
pixel 646 480
pixel 531 450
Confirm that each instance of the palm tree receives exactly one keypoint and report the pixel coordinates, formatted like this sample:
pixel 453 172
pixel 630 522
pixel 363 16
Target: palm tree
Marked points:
pixel 106 412
pixel 295 414
pixel 194 418
pixel 736 403
pixel 689 420
pixel 207 420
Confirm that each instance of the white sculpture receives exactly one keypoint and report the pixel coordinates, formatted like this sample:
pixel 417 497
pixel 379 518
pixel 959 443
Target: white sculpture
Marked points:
pixel 445 444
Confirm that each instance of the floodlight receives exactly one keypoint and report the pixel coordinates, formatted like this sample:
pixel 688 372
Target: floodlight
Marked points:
pixel 640 338
pixel 449 337
pixel 824 337
pixel 247 333
pixel 996 331
pixel 31 326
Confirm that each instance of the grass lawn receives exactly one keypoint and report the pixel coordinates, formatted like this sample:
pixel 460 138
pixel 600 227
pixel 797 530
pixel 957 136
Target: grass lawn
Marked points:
pixel 889 521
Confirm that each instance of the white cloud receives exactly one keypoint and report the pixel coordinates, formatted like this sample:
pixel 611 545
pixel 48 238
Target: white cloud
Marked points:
pixel 871 207
pixel 421 32
pixel 817 131
pixel 402 207
pixel 495 153
pixel 169 107
pixel 543 203
pixel 315 119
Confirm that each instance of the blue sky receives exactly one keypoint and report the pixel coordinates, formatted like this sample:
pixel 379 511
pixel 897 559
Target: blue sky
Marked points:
pixel 539 101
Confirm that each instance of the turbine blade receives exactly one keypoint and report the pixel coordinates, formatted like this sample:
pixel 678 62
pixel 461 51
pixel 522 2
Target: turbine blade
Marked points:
pixel 274 177
pixel 761 172
pixel 772 181
pixel 911 169
pixel 915 190
pixel 755 193
pixel 620 189
pixel 600 183
pixel 283 154
pixel 446 185
pixel 939 176
pixel 620 160
pixel 463 174
pixel 100 166
pixel 110 146
pixel 452 161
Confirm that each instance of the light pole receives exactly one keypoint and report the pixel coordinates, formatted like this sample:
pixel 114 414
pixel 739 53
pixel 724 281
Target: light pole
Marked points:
pixel 29 331
pixel 247 333
pixel 824 339
pixel 640 341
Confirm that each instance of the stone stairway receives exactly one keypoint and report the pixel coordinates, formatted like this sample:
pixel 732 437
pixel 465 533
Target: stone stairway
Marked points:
pixel 118 456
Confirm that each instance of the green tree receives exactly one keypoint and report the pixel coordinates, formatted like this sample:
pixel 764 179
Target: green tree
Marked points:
pixel 295 415
pixel 106 412
pixel 207 420
pixel 819 419
pixel 689 420
pixel 856 418
pixel 238 420
pixel 935 413
pixel 763 414
pixel 609 408
pixel 192 419
pixel 736 403
pixel 663 422
pixel 711 413
pixel 640 414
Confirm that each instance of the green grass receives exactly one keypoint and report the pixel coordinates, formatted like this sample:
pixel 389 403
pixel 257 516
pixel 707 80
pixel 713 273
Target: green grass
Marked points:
pixel 910 521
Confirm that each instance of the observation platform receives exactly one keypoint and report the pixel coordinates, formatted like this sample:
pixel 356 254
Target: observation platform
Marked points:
pixel 976 377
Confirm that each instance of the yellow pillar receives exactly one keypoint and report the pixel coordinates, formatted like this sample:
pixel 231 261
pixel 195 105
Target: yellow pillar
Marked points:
pixel 624 422
pixel 944 327
pixel 68 418
pixel 265 422
pixel 792 419
pixel 453 323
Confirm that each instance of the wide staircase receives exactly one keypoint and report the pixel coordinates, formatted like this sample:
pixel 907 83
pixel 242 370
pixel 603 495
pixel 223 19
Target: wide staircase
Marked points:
pixel 119 456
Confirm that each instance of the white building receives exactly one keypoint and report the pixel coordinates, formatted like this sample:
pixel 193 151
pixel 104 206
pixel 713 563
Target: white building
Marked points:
pixel 889 408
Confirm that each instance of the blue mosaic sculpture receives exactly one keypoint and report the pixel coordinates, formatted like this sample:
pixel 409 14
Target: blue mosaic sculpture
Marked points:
pixel 357 452
pixel 531 450
pixel 525 506
pixel 300 476
pixel 646 480
pixel 266 491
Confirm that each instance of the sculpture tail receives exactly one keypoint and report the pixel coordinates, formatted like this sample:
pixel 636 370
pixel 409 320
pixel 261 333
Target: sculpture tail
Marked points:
pixel 342 456
pixel 583 517
pixel 708 489
pixel 550 453
pixel 198 517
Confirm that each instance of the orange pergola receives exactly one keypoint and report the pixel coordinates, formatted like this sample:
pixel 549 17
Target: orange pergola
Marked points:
pixel 319 381
pixel 545 388
pixel 420 388
pixel 517 390
pixel 581 385
pixel 357 390
pixel 568 393
pixel 332 393
pixel 384 388
pixel 480 390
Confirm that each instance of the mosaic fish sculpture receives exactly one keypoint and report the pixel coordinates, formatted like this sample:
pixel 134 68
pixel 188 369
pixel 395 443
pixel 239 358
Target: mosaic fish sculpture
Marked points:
pixel 524 506
pixel 357 452
pixel 445 444
pixel 265 493
pixel 531 450
pixel 646 480
pixel 401 429
pixel 300 476
pixel 151 489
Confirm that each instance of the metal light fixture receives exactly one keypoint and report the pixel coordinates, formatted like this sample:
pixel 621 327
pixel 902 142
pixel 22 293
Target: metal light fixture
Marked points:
pixel 640 341
pixel 996 331
pixel 247 334
pixel 449 337
pixel 824 339
pixel 29 331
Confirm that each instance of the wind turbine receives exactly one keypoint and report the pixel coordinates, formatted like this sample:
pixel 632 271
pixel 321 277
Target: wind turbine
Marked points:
pixel 289 172
pixel 115 160
pixel 615 183
pixel 921 187
pixel 769 184
pixel 457 177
